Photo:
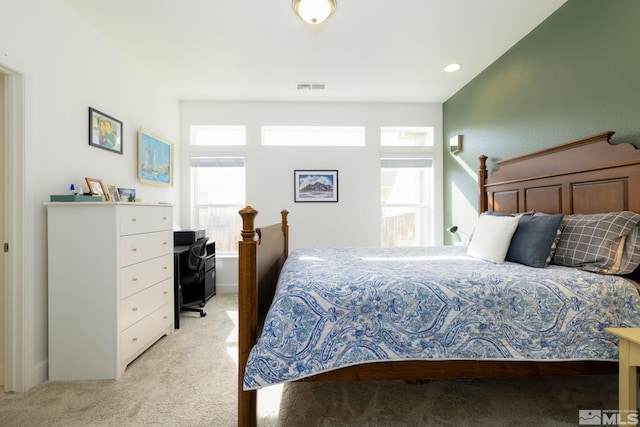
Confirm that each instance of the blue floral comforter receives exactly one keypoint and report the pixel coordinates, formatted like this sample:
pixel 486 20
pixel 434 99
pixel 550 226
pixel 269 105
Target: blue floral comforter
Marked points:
pixel 336 307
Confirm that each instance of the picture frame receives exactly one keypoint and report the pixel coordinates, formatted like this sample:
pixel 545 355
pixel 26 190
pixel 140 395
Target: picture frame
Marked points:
pixel 155 159
pixel 97 187
pixel 105 131
pixel 315 186
pixel 127 194
pixel 112 190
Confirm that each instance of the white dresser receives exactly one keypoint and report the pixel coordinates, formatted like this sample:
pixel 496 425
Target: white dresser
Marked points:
pixel 110 285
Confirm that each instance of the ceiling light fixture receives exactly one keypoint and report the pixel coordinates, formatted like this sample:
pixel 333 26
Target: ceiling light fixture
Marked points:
pixel 314 11
pixel 452 67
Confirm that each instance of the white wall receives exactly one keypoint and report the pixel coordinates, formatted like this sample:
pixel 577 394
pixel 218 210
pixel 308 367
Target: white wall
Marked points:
pixel 355 219
pixel 70 67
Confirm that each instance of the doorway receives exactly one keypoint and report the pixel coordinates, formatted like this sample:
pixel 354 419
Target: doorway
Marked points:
pixel 2 230
pixel 17 323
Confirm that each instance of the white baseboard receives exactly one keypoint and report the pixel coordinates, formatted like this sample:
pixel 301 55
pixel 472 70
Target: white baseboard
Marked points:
pixel 41 372
pixel 227 288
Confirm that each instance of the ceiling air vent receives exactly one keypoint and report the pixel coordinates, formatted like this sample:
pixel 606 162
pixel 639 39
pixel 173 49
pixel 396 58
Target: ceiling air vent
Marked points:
pixel 311 86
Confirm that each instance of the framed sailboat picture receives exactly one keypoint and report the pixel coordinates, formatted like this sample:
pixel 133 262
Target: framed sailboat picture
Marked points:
pixel 155 159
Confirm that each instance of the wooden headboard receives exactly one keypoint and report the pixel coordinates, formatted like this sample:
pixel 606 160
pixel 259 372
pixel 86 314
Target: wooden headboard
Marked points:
pixel 588 175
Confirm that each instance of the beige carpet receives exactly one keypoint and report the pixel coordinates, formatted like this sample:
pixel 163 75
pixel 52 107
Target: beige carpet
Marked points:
pixel 189 379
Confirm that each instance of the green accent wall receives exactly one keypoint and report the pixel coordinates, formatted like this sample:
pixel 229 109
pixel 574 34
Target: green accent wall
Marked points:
pixel 576 74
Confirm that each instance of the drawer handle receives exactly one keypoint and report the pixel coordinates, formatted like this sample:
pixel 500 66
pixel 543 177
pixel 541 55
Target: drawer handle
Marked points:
pixel 165 267
pixel 134 279
pixel 165 317
pixel 134 339
pixel 164 218
pixel 165 292
pixel 134 219
pixel 134 249
pixel 134 309
pixel 164 243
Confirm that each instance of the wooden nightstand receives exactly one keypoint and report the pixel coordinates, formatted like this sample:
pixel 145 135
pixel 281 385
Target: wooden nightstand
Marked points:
pixel 629 357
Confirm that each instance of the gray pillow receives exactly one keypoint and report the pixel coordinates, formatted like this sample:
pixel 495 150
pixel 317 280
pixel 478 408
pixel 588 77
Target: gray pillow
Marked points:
pixel 630 254
pixel 532 241
pixel 597 242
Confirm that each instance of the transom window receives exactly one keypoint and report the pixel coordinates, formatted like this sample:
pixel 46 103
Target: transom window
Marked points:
pixel 319 136
pixel 406 136
pixel 218 135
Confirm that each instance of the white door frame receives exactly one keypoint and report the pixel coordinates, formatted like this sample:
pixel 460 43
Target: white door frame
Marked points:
pixel 19 301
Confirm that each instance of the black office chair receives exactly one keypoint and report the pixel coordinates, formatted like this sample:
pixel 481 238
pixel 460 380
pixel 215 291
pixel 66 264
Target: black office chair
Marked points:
pixel 194 276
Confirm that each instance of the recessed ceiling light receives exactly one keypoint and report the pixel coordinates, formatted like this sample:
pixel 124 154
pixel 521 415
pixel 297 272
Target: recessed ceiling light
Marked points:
pixel 452 67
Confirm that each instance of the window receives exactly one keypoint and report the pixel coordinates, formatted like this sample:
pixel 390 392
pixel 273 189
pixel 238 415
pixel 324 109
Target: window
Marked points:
pixel 217 183
pixel 406 137
pixel 322 136
pixel 218 135
pixel 218 193
pixel 406 193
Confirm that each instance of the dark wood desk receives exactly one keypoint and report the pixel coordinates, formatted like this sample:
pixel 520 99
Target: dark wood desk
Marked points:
pixel 178 252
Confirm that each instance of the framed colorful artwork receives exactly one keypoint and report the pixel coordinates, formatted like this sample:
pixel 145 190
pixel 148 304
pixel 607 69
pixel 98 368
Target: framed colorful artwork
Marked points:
pixel 105 131
pixel 155 159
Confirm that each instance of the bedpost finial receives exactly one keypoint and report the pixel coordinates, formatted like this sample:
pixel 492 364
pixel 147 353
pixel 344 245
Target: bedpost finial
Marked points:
pixel 248 215
pixel 483 200
pixel 483 161
pixel 284 214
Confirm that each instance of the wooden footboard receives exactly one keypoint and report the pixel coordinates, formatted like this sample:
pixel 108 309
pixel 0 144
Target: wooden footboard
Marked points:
pixel 261 254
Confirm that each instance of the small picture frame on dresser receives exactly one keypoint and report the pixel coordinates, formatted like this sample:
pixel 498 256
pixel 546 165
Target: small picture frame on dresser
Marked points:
pixel 112 190
pixel 97 187
pixel 127 194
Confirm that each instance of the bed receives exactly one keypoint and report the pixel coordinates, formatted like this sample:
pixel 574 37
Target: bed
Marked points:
pixel 579 179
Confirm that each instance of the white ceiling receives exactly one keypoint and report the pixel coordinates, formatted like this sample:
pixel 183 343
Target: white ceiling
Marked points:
pixel 368 51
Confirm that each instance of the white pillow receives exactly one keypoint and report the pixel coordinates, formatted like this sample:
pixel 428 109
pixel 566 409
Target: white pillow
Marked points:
pixel 491 237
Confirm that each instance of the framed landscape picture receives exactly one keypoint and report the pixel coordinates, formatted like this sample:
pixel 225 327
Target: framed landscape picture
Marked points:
pixel 127 194
pixel 316 186
pixel 155 159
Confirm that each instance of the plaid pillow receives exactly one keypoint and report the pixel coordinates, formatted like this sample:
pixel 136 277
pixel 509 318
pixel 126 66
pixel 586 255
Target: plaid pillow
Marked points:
pixel 631 253
pixel 596 242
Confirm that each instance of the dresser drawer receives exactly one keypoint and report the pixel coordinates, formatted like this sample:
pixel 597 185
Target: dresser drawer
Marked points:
pixel 141 247
pixel 135 339
pixel 136 219
pixel 139 305
pixel 137 277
